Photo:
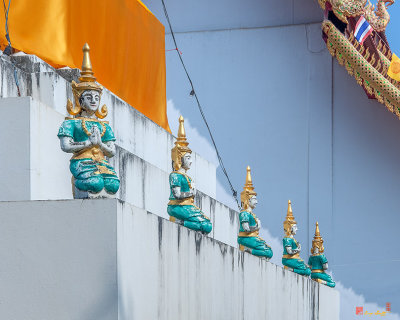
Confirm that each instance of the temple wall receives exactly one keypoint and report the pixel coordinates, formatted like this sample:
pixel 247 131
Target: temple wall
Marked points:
pixel 117 259
pixel 37 169
pixel 106 259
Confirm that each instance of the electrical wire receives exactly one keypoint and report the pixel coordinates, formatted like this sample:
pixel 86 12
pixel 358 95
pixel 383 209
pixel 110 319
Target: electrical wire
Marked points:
pixel 8 49
pixel 6 11
pixel 193 93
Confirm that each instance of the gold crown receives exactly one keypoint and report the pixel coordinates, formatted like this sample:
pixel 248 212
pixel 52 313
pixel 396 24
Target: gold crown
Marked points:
pixel 289 221
pixel 317 241
pixel 181 146
pixel 248 190
pixel 87 82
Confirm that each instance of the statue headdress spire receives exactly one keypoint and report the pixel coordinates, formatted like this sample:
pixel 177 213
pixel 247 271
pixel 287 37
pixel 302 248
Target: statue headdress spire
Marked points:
pixel 248 190
pixel 289 221
pixel 317 241
pixel 87 71
pixel 181 146
pixel 87 81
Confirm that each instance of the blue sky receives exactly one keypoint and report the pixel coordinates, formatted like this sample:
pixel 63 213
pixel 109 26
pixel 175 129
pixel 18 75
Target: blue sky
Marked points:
pixel 392 30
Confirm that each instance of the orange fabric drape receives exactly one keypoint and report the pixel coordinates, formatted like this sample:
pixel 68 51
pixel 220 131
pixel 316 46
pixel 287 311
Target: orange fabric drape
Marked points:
pixel 127 45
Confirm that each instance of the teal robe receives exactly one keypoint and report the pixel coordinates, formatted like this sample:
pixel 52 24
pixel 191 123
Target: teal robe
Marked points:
pixel 257 244
pixel 91 170
pixel 184 209
pixel 297 264
pixel 316 262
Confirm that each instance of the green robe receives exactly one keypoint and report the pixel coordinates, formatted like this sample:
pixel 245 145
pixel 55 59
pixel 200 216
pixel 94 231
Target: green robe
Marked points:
pixel 184 209
pixel 257 244
pixel 316 262
pixel 91 170
pixel 297 264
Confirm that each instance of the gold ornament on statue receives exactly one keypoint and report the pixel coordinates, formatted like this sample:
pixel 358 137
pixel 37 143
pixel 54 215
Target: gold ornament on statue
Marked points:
pixel 289 221
pixel 181 146
pixel 317 241
pixel 101 113
pixel 248 190
pixel 86 82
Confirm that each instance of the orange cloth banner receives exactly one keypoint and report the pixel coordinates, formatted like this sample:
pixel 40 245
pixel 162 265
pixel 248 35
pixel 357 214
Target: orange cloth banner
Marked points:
pixel 127 45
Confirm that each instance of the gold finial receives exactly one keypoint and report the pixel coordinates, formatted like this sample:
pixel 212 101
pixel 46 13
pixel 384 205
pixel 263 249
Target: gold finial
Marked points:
pixel 317 230
pixel 181 146
pixel 249 182
pixel 317 241
pixel 248 190
pixel 86 82
pixel 181 133
pixel 289 221
pixel 87 72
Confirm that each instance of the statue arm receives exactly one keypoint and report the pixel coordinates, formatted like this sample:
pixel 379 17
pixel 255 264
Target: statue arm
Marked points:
pixel 176 191
pixel 290 250
pixel 258 226
pixel 255 228
pixel 108 148
pixel 246 227
pixel 325 266
pixel 69 145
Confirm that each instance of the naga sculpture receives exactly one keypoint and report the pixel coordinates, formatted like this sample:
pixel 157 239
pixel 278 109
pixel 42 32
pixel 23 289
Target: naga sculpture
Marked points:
pixel 181 206
pixel 318 262
pixel 291 248
pixel 380 17
pixel 89 139
pixel 248 238
pixel 345 9
pixel 368 60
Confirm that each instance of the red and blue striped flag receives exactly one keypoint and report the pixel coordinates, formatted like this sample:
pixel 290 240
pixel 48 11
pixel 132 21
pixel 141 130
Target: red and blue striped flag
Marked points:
pixel 363 30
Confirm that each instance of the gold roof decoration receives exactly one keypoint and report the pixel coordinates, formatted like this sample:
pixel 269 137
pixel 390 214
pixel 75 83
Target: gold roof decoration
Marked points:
pixel 87 81
pixel 369 69
pixel 317 241
pixel 344 9
pixel 367 61
pixel 181 146
pixel 289 221
pixel 248 190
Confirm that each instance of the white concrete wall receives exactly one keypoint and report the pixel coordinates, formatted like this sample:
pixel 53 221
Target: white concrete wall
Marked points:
pixel 37 169
pixel 184 275
pixel 106 259
pixel 134 132
pixel 58 260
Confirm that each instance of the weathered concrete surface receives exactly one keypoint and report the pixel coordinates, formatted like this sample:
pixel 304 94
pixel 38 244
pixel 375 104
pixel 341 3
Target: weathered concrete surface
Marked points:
pixel 37 169
pixel 106 259
pixel 134 132
pixel 58 260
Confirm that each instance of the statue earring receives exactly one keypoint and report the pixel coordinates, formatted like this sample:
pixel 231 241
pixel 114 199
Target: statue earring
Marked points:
pixel 73 110
pixel 101 113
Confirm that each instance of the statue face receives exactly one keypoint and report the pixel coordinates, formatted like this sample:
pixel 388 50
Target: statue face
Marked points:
pixel 90 101
pixel 294 229
pixel 187 161
pixel 316 250
pixel 253 202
